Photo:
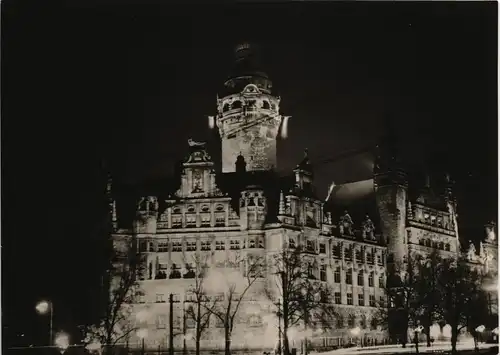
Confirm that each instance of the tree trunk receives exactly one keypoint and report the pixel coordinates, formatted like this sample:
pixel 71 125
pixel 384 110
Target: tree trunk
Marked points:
pixel 454 338
pixel 227 336
pixel 286 344
pixel 428 332
pixel 198 339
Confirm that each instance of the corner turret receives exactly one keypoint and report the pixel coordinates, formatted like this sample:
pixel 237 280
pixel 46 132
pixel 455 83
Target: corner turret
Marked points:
pixel 391 187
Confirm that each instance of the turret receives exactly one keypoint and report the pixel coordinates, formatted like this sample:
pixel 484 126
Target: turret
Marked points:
pixel 111 203
pixel 391 195
pixel 248 116
pixel 304 174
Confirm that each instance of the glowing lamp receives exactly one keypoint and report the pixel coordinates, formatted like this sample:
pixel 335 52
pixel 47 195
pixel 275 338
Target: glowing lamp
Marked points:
pixel 62 341
pixel 419 329
pixel 355 331
pixel 142 333
pixel 42 307
pixel 480 329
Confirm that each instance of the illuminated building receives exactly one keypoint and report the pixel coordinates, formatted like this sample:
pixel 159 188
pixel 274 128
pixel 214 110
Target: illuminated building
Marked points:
pixel 351 238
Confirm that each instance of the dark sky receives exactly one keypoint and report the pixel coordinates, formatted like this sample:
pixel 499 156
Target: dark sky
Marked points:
pixel 133 82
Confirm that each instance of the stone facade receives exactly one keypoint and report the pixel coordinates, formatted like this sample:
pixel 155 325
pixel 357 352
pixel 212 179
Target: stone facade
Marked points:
pixel 248 211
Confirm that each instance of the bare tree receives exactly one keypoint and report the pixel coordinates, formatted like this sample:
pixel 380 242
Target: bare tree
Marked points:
pixel 403 308
pixel 428 292
pixel 122 285
pixel 201 306
pixel 303 297
pixel 232 285
pixel 460 286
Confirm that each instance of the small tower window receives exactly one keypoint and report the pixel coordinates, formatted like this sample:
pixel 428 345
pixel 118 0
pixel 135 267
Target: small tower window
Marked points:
pixel 236 104
pixel 225 108
pixel 265 105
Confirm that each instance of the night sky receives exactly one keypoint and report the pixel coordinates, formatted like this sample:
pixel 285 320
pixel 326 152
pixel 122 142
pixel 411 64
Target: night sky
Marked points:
pixel 132 82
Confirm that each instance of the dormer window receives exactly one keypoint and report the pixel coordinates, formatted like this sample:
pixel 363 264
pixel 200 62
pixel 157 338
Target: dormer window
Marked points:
pixel 219 208
pixel 177 210
pixel 205 208
pixel 191 209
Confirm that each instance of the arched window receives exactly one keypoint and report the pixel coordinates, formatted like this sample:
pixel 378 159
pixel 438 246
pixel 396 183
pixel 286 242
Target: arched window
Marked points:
pixel 219 207
pixel 265 105
pixel 191 209
pixel 236 104
pixel 205 208
pixel 225 108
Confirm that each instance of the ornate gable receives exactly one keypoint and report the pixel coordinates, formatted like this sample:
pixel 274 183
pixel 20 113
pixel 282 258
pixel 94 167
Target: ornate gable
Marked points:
pixel 198 174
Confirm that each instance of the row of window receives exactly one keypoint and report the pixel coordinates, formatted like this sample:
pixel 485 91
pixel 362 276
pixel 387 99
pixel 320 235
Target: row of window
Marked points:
pixel 253 320
pixel 250 104
pixel 359 256
pixel 369 257
pixel 205 220
pixel 205 245
pixel 349 279
pixel 361 299
pixel 433 244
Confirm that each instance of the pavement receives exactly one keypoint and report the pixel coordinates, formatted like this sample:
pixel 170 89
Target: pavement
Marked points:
pixel 410 348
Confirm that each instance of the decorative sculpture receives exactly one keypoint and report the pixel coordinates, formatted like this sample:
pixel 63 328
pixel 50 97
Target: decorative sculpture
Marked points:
pixel 471 253
pixel 346 224
pixel 368 229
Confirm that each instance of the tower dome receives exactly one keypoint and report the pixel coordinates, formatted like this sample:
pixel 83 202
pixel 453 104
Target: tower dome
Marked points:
pixel 246 70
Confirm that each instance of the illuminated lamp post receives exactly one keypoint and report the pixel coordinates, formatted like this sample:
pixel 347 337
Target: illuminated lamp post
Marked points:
pixel 142 334
pixel 44 307
pixel 355 333
pixel 62 342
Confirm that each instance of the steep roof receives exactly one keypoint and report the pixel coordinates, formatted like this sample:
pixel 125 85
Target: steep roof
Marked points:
pixel 357 198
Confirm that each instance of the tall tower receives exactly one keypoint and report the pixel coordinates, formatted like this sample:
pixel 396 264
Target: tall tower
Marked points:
pixel 248 115
pixel 391 187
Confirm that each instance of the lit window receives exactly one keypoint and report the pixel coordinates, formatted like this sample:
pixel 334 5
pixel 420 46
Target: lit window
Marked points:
pixel 176 246
pixel 361 278
pixel 161 321
pixel 191 246
pixel 361 299
pixel 349 299
pixel 162 247
pixel 220 245
pixel 160 298
pixel 206 245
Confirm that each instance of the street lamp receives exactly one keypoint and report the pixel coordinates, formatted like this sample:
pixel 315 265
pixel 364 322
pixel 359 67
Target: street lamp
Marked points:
pixel 355 332
pixel 62 342
pixel 478 330
pixel 43 307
